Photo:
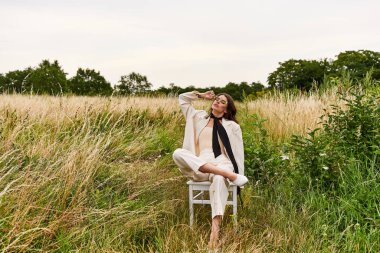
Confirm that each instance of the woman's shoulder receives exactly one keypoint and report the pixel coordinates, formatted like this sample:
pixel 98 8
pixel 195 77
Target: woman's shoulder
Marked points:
pixel 235 126
pixel 232 122
pixel 202 114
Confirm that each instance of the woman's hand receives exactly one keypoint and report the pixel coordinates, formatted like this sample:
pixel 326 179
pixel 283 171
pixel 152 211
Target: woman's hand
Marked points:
pixel 208 95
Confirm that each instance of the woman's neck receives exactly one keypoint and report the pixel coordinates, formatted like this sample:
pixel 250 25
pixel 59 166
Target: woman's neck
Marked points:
pixel 218 115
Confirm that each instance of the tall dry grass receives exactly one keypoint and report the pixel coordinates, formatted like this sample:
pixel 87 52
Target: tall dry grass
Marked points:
pixel 70 169
pixel 287 113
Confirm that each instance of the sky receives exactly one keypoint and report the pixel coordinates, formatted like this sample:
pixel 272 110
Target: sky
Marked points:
pixel 201 43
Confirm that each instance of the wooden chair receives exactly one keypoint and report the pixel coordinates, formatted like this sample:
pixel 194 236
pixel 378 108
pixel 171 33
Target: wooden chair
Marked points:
pixel 197 196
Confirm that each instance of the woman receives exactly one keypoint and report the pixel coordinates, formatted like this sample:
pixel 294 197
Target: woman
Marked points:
pixel 203 158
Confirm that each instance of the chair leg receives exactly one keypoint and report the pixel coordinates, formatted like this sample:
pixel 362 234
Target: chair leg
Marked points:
pixel 191 205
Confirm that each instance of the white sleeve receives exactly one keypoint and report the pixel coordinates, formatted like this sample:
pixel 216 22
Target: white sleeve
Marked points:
pixel 185 100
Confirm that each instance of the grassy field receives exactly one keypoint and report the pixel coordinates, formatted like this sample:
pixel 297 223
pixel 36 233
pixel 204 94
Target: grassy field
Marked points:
pixel 92 174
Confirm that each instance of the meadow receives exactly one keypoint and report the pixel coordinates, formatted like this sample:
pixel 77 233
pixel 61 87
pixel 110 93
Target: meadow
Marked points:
pixel 96 174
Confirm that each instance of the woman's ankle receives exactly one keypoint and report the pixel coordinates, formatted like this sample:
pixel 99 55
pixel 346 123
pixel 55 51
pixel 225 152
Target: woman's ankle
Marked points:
pixel 204 168
pixel 232 176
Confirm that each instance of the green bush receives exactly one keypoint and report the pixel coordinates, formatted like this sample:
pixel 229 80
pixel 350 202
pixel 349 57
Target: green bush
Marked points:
pixel 262 158
pixel 347 135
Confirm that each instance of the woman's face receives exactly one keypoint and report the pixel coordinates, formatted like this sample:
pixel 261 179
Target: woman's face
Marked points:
pixel 220 104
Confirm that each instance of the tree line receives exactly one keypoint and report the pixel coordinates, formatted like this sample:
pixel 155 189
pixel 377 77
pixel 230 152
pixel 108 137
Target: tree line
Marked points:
pixel 50 78
pixel 302 74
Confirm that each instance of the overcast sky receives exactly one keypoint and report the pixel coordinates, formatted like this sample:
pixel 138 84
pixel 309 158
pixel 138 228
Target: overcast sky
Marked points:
pixel 195 42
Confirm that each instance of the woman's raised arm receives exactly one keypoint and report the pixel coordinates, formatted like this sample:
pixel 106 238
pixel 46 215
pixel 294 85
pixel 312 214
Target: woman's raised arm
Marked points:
pixel 186 98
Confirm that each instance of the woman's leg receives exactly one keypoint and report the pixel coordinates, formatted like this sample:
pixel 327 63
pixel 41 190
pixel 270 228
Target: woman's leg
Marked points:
pixel 218 195
pixel 189 164
pixel 218 199
pixel 194 167
pixel 214 235
pixel 210 168
pixel 237 179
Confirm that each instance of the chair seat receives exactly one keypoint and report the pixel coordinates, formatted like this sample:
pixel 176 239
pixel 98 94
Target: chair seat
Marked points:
pixel 199 183
pixel 208 183
pixel 191 182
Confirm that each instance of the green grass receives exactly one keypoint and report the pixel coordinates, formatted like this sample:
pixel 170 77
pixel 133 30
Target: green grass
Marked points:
pixel 103 180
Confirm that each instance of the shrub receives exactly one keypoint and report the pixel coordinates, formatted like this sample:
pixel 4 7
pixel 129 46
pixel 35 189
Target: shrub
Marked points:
pixel 347 135
pixel 262 158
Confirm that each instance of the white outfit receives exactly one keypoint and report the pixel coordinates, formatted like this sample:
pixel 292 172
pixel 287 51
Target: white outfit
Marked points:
pixel 189 165
pixel 196 120
pixel 205 139
pixel 197 151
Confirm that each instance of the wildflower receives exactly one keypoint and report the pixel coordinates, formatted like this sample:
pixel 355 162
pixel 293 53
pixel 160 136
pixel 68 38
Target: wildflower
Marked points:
pixel 284 157
pixel 325 167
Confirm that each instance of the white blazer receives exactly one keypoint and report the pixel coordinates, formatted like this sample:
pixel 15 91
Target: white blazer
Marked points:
pixel 196 120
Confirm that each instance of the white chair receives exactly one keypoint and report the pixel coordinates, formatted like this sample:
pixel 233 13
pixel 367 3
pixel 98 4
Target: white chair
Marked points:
pixel 196 196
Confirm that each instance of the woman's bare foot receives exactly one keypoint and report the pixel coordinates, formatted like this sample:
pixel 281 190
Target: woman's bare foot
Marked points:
pixel 214 235
pixel 237 179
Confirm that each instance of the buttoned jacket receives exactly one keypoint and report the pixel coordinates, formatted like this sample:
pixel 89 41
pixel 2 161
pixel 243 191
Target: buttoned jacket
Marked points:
pixel 196 120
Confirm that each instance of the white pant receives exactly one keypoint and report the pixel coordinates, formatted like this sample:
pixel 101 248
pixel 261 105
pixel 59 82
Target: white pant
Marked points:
pixel 189 164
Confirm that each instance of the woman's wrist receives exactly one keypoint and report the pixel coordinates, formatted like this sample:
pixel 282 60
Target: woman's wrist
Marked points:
pixel 198 94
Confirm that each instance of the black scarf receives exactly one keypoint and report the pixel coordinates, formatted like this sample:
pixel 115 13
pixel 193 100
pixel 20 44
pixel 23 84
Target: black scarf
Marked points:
pixel 218 128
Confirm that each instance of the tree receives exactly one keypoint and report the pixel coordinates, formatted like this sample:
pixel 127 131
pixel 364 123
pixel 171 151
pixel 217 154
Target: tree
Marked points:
pixel 233 89
pixel 16 81
pixel 3 83
pixel 245 90
pixel 256 87
pixel 133 84
pixel 48 78
pixel 298 74
pixel 358 63
pixel 237 91
pixel 89 82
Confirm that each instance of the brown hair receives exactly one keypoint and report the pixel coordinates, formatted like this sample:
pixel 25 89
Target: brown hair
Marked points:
pixel 231 108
